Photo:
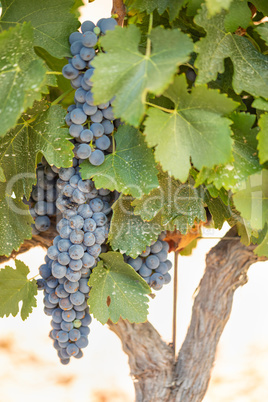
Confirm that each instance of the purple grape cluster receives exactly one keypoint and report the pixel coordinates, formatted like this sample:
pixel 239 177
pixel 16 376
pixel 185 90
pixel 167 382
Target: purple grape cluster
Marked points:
pixel 43 197
pixel 82 234
pixel 152 265
pixel 91 126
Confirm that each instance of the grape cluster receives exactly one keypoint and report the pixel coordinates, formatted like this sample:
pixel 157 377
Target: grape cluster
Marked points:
pixel 91 126
pixel 83 231
pixel 43 197
pixel 152 265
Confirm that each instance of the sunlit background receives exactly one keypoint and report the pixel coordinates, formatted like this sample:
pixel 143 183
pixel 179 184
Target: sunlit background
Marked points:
pixel 30 369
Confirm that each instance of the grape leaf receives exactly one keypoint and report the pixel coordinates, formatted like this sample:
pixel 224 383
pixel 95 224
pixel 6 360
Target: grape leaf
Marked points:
pixel 245 159
pixel 22 74
pixel 128 232
pixel 52 22
pixel 15 221
pixel 41 133
pixel 149 6
pixel 117 291
pixel 130 169
pixel 218 45
pixel 239 15
pixel 133 74
pixel 263 138
pixel 55 64
pixel 260 104
pixel 251 199
pixel 215 6
pixel 263 31
pixel 262 249
pixel 2 175
pixel 261 5
pixel 179 204
pixel 195 129
pixel 15 287
pixel 220 212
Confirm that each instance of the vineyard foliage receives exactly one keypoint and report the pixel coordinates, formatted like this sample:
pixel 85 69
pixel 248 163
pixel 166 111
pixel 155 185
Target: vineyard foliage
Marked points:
pixel 189 80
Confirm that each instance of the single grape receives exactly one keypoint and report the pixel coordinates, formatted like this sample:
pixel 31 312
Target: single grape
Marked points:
pixel 75 36
pixel 77 298
pixel 97 158
pixel 75 48
pixel 86 135
pixel 108 126
pixel 72 349
pixel 68 316
pixel 108 113
pixel 89 39
pixel 87 26
pixel 152 262
pixel 78 62
pixel 73 276
pixel 88 260
pixel 65 304
pixel 80 95
pixel 42 223
pixel 74 335
pixel 78 116
pixel 145 271
pixel 69 72
pixel 103 142
pixel 97 129
pixel 89 110
pixel 87 53
pixel 97 117
pixel 108 24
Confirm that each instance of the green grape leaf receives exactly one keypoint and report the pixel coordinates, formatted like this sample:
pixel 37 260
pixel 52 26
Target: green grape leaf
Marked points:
pixel 14 288
pixel 245 159
pixel 220 212
pixel 149 6
pixel 55 64
pixel 22 74
pixel 117 291
pixel 263 138
pixel 262 249
pixel 128 232
pixel 195 129
pixel 218 45
pixel 239 15
pixel 260 104
pixel 215 6
pixel 2 175
pixel 263 31
pixel 261 5
pixel 133 74
pixel 52 22
pixel 130 169
pixel 179 204
pixel 41 133
pixel 15 221
pixel 251 199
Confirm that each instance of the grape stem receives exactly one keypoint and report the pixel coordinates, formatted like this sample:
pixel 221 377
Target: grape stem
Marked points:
pixel 160 107
pixel 62 96
pixel 149 42
pixel 53 72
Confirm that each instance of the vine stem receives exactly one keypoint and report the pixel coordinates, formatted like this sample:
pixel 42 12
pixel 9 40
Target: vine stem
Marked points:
pixel 160 107
pixel 149 42
pixel 175 298
pixel 62 96
pixel 53 72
